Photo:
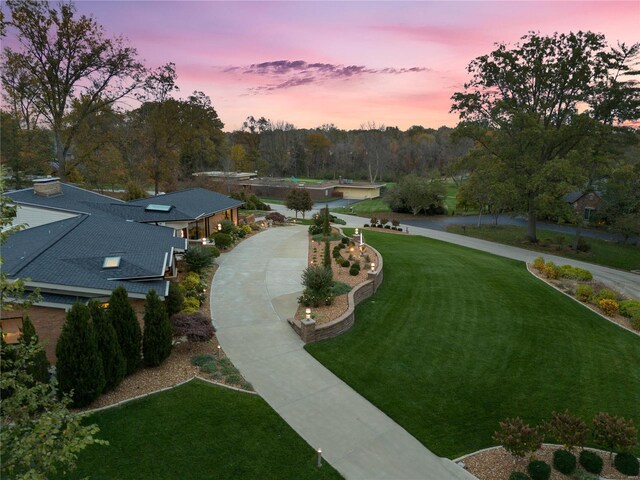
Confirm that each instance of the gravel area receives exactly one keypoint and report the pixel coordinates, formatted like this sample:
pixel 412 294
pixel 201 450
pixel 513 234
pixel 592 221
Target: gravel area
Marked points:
pixel 497 464
pixel 327 313
pixel 176 369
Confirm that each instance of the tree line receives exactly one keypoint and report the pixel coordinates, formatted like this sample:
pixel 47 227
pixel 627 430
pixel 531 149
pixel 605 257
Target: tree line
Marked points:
pixel 538 119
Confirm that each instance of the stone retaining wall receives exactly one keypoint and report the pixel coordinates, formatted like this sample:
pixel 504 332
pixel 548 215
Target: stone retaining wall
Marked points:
pixel 310 332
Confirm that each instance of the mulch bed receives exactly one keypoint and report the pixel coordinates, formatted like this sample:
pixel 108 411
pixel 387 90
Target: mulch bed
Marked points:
pixel 568 286
pixel 497 464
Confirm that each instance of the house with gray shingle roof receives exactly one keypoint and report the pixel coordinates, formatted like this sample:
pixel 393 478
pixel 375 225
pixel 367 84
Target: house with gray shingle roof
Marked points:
pixel 80 245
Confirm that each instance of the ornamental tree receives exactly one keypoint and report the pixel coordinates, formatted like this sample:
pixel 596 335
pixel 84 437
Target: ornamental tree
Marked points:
pixel 614 433
pixel 569 430
pixel 518 438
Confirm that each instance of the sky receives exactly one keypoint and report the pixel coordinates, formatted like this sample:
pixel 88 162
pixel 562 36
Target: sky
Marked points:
pixel 345 63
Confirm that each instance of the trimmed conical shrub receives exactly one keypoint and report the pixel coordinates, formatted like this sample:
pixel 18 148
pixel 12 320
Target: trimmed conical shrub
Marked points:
pixel 79 366
pixel 156 343
pixel 113 362
pixel 173 302
pixel 40 368
pixel 124 321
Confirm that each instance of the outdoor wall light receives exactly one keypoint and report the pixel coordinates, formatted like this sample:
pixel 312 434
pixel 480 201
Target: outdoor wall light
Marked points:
pixel 204 241
pixel 307 313
pixel 219 227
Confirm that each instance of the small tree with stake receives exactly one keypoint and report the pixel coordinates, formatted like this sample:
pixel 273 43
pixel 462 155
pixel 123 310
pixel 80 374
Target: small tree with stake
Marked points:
pixel 568 429
pixel 614 433
pixel 518 438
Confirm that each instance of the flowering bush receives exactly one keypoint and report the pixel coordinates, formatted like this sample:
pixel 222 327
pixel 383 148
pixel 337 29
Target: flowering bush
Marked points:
pixel 551 270
pixel 538 264
pixel 608 306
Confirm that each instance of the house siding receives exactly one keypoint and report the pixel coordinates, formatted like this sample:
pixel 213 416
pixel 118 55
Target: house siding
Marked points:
pixel 34 216
pixel 48 322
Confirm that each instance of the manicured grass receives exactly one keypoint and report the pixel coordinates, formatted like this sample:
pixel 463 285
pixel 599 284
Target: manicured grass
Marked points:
pixel 198 431
pixel 374 206
pixel 456 340
pixel 611 254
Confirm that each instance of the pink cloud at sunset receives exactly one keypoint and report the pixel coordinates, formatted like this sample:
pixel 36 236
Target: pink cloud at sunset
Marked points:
pixel 347 63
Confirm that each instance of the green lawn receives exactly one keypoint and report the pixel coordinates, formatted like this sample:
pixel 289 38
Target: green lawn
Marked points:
pixel 611 254
pixel 198 431
pixel 374 206
pixel 456 340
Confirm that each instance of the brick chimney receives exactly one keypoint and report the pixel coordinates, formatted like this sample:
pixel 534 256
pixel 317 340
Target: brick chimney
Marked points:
pixel 47 187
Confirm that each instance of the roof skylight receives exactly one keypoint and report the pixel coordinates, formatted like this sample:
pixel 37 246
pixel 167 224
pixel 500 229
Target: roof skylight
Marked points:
pixel 153 207
pixel 111 262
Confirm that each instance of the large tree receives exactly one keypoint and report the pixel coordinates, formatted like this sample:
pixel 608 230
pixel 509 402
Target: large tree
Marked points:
pixel 65 57
pixel 299 200
pixel 529 106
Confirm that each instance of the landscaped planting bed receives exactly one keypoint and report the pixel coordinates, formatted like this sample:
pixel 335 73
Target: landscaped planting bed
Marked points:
pixel 456 340
pixel 326 313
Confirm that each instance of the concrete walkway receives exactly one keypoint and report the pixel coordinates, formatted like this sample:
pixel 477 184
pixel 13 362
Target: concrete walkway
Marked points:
pixel 253 292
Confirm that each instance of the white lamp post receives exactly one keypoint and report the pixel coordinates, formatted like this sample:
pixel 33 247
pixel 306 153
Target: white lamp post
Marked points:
pixel 307 314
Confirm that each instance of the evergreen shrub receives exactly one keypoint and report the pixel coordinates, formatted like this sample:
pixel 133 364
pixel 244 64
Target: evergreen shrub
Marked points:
pixel 591 461
pixel 564 461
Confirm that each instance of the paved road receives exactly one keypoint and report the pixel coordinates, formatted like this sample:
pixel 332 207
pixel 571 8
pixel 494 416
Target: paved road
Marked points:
pixel 253 292
pixel 442 222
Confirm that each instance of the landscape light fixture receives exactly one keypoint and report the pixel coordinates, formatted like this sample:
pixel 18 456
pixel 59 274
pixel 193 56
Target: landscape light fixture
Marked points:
pixel 219 227
pixel 204 241
pixel 373 266
pixel 357 231
pixel 319 457
pixel 307 313
pixel 218 352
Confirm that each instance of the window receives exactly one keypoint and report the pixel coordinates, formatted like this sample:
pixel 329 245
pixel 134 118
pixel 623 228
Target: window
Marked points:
pixel 111 262
pixel 11 329
pixel 587 213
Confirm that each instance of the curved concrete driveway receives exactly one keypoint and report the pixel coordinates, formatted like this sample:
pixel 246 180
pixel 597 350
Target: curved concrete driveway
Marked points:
pixel 252 294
